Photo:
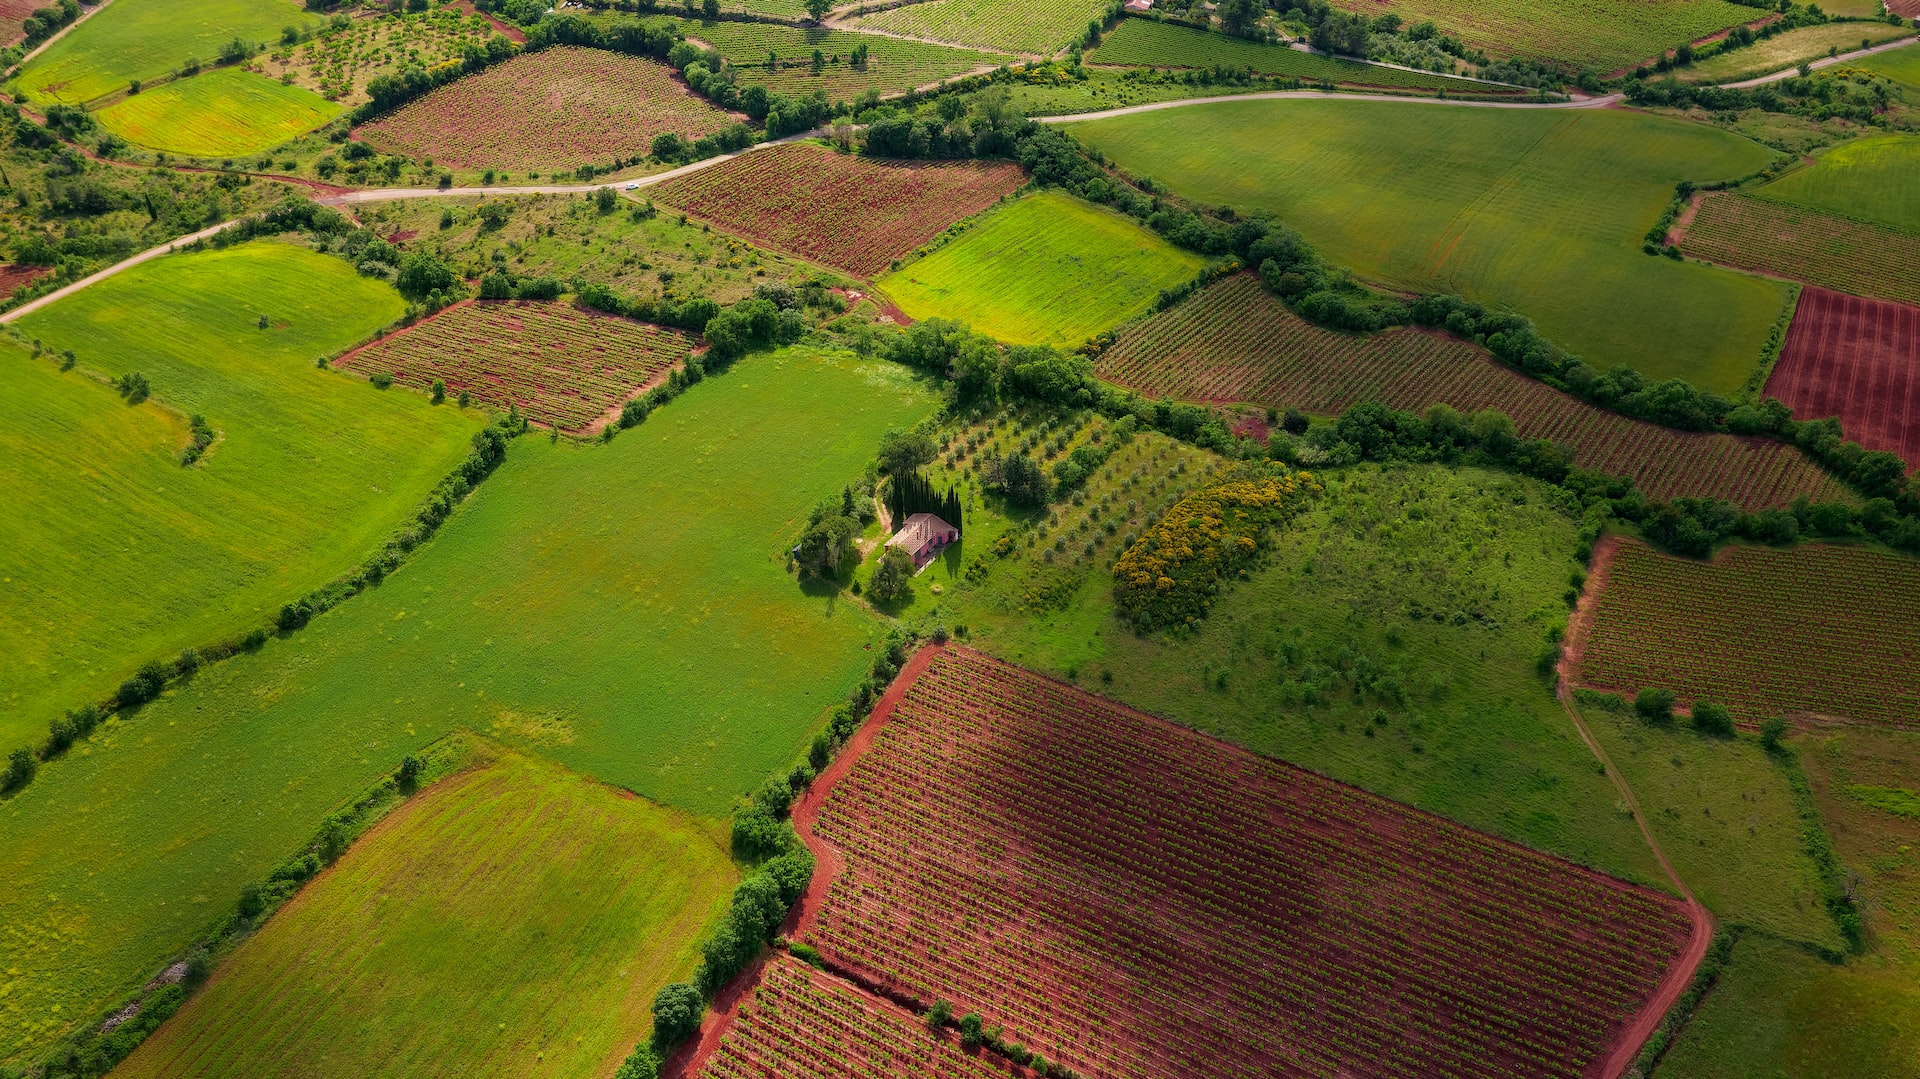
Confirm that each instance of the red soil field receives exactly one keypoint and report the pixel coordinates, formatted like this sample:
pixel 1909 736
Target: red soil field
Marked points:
pixel 800 1023
pixel 558 364
pixel 558 108
pixel 1817 631
pixel 1236 342
pixel 14 275
pixel 840 210
pixel 1856 359
pixel 1131 899
pixel 1806 245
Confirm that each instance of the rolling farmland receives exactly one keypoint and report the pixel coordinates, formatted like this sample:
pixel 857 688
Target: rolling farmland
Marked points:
pixel 1818 629
pixel 1131 898
pixel 1858 360
pixel 1607 36
pixel 1033 27
pixel 559 364
pixel 851 213
pixel 1806 245
pixel 146 39
pixel 799 1023
pixel 558 108
pixel 1145 43
pixel 1045 269
pixel 780 58
pixel 222 113
pixel 1869 180
pixel 1236 342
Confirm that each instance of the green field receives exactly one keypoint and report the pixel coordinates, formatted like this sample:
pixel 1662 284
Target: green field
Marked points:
pixel 1146 43
pixel 1782 51
pixel 118 555
pixel 514 920
pixel 1452 718
pixel 624 608
pixel 1045 269
pixel 1725 815
pixel 893 65
pixel 1032 27
pixel 1900 65
pixel 1542 211
pixel 1869 179
pixel 145 39
pixel 223 113
pixel 1606 36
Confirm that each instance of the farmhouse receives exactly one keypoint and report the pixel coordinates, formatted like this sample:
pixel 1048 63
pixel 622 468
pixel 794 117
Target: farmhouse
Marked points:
pixel 923 536
pixel 1139 5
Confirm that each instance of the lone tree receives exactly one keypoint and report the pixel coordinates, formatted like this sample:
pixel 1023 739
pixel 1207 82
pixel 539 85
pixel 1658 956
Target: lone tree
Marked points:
pixel 894 578
pixel 817 9
pixel 676 1014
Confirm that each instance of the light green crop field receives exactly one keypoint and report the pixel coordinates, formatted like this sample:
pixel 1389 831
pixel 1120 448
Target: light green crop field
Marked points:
pixel 1607 36
pixel 1540 211
pixel 893 65
pixel 144 39
pixel 1449 715
pixel 1724 813
pixel 624 608
pixel 1782 51
pixel 513 920
pixel 113 553
pixel 1870 179
pixel 1033 27
pixel 1045 269
pixel 1900 65
pixel 223 113
pixel 1146 43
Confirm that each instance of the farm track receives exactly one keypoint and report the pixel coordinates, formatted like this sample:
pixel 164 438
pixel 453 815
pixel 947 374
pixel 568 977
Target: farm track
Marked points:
pixel 1825 61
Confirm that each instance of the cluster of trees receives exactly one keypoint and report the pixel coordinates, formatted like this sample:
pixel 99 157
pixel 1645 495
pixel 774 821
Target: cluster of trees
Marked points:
pixel 47 21
pixel 1791 16
pixel 828 540
pixel 949 126
pixel 1818 97
pixel 388 92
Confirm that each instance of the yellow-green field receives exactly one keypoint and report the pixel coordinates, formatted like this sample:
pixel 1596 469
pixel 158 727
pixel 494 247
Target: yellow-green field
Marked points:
pixel 514 920
pixel 114 554
pixel 1782 51
pixel 223 113
pixel 1047 269
pixel 144 39
pixel 1870 179
pixel 1542 211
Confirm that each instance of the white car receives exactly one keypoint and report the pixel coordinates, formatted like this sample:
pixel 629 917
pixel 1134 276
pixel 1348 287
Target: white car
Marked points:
pixel 633 187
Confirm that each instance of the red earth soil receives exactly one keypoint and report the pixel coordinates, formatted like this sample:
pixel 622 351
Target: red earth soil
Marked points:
pixel 13 276
pixel 1132 898
pixel 1857 359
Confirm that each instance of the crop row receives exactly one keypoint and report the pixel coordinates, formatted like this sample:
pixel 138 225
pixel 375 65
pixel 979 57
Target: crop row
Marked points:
pixel 780 58
pixel 1145 43
pixel 1134 899
pixel 1037 27
pixel 1857 359
pixel 801 1024
pixel 1236 342
pixel 1806 245
pixel 558 364
pixel 1821 629
pixel 557 108
pixel 852 213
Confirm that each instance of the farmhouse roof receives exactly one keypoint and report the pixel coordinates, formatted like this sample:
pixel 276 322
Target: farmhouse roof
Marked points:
pixel 1139 5
pixel 920 529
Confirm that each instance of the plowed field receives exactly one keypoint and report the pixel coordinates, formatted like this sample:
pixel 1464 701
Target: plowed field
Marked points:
pixel 1819 629
pixel 1133 899
pixel 1806 245
pixel 852 213
pixel 1236 342
pixel 558 364
pixel 1858 360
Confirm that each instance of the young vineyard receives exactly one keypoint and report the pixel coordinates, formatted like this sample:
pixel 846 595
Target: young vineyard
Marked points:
pixel 1130 899
pixel 1855 359
pixel 558 364
pixel 1236 342
pixel 799 1023
pixel 558 108
pixel 1806 245
pixel 850 213
pixel 1817 629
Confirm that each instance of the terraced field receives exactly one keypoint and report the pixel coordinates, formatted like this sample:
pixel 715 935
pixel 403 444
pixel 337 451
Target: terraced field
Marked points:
pixel 559 364
pixel 780 58
pixel 1236 342
pixel 853 213
pixel 1806 245
pixel 1818 629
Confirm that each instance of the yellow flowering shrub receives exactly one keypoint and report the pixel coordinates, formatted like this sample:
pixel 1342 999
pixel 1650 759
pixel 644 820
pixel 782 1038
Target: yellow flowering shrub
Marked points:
pixel 1169 577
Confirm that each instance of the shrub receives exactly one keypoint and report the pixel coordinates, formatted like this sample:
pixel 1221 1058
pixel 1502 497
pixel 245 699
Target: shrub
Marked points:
pixel 144 686
pixel 676 1014
pixel 21 767
pixel 1654 705
pixel 1710 717
pixel 757 833
pixel 1772 732
pixel 1169 577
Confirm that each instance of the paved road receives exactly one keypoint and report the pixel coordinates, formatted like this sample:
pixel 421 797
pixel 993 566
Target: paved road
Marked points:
pixel 1270 95
pixel 1827 61
pixel 127 264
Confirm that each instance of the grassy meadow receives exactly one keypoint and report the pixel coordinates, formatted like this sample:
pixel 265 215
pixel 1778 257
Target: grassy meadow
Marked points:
pixel 1146 43
pixel 1540 211
pixel 1032 27
pixel 145 39
pixel 1869 179
pixel 623 608
pixel 1900 65
pixel 1047 269
pixel 1607 36
pixel 1454 717
pixel 513 920
pixel 118 554
pixel 1782 51
pixel 223 113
